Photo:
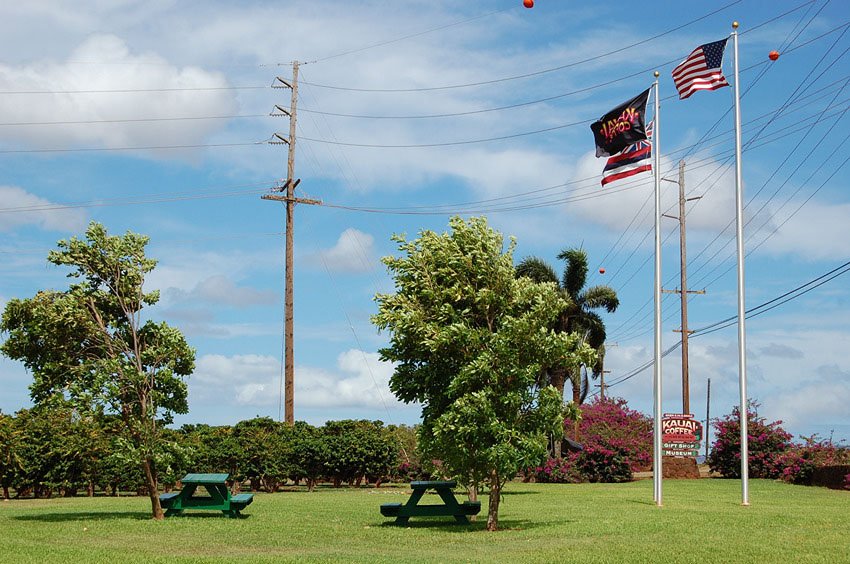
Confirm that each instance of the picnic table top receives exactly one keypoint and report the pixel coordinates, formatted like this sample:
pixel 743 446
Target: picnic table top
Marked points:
pixel 427 484
pixel 204 478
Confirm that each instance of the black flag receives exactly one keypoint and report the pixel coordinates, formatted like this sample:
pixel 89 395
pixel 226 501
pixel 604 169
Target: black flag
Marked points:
pixel 621 127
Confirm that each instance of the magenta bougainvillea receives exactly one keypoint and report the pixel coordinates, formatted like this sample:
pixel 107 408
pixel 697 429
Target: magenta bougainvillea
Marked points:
pixel 610 424
pixel 767 444
pixel 616 440
pixel 799 463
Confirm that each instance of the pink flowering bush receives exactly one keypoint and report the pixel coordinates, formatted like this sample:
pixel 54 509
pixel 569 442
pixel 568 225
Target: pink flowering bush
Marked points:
pixel 768 443
pixel 847 482
pixel 799 463
pixel 598 463
pixel 558 470
pixel 609 425
pixel 617 441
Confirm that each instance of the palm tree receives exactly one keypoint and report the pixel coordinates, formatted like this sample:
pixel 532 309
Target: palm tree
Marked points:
pixel 579 316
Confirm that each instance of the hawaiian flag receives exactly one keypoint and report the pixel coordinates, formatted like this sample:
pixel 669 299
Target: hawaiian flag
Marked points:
pixel 702 70
pixel 632 160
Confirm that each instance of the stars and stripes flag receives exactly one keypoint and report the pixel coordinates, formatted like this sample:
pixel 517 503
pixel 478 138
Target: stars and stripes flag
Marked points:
pixel 702 70
pixel 632 160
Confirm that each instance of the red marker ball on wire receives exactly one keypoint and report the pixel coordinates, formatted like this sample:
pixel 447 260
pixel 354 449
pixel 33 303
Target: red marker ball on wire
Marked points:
pixel 601 271
pixel 528 3
pixel 773 55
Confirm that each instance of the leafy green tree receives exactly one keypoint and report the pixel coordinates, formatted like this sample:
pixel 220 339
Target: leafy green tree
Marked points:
pixel 11 463
pixel 47 462
pixel 91 344
pixel 215 449
pixel 265 452
pixel 469 339
pixel 579 315
pixel 359 449
pixel 311 453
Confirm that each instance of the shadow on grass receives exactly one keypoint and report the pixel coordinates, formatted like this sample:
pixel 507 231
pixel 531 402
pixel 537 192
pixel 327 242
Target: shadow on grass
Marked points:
pixel 477 526
pixel 117 515
pixel 647 502
pixel 85 516
pixel 511 493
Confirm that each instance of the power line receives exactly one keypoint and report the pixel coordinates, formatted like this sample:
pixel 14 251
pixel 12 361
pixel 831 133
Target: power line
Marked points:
pixel 529 203
pixel 750 142
pixel 442 209
pixel 410 36
pixel 549 98
pixel 142 148
pixel 129 120
pixel 537 73
pixel 134 90
pixel 147 199
pixel 752 312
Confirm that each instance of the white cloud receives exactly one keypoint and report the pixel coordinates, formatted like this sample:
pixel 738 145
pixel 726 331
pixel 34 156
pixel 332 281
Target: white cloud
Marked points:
pixel 821 398
pixel 183 271
pixel 829 241
pixel 353 252
pixel 222 290
pixel 361 380
pixel 118 69
pixel 14 198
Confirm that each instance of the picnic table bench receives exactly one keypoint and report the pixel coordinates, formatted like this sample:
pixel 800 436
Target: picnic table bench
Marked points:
pixel 218 498
pixel 449 508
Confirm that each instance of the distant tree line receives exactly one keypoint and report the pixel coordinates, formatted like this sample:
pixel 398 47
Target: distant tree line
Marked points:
pixel 56 450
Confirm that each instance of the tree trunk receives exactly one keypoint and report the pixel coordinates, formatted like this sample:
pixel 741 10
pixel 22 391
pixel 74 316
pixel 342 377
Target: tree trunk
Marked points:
pixel 558 378
pixel 493 506
pixel 5 492
pixel 153 492
pixel 473 496
pixel 90 490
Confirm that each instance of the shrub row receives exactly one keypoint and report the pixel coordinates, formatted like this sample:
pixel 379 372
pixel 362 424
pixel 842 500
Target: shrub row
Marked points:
pixel 44 452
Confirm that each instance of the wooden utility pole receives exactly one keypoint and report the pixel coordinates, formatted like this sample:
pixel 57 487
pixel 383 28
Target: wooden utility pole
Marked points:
pixel 683 289
pixel 288 189
pixel 602 384
pixel 706 431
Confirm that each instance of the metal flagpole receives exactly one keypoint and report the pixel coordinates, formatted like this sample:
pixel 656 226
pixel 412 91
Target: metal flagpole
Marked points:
pixel 742 334
pixel 657 451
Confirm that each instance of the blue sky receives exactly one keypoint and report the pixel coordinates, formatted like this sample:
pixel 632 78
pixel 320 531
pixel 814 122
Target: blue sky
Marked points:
pixel 94 102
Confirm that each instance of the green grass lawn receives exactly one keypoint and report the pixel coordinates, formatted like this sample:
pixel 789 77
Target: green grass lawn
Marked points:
pixel 701 521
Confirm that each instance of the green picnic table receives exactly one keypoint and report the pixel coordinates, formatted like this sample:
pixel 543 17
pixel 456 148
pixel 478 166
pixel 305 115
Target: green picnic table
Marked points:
pixel 218 496
pixel 449 508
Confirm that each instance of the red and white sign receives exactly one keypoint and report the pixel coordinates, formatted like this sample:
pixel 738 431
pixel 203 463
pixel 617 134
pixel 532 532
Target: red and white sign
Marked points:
pixel 681 434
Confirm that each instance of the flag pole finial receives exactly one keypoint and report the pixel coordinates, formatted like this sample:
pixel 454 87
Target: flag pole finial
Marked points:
pixel 656 74
pixel 734 25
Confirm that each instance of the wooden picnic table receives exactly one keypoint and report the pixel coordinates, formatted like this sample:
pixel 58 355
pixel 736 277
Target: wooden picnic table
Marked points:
pixel 218 496
pixel 449 508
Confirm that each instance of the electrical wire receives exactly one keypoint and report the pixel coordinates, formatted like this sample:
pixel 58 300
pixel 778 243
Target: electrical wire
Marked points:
pixel 410 36
pixel 752 312
pixel 147 199
pixel 130 120
pixel 544 71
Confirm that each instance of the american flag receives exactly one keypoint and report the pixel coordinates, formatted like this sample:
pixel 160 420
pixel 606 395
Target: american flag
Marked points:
pixel 702 70
pixel 630 161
